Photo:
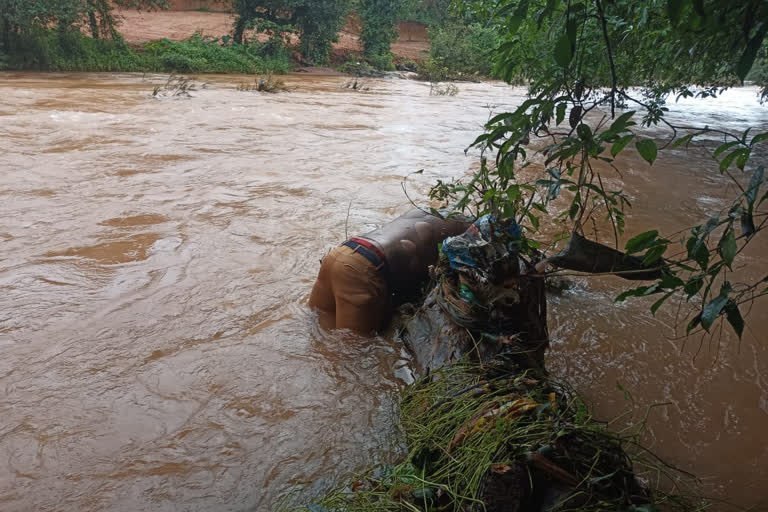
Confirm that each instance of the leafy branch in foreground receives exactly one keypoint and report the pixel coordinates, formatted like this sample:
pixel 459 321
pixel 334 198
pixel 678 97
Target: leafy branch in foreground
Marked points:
pixel 559 154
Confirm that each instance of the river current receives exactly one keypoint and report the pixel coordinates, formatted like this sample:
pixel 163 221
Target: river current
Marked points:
pixel 156 256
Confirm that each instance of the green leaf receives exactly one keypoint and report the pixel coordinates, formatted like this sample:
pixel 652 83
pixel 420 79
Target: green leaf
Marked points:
pixel 748 224
pixel 642 241
pixel 620 144
pixel 754 187
pixel 722 148
pixel 712 310
pixel 570 30
pixel 584 132
pixel 693 286
pixel 640 291
pixel 683 141
pixel 741 162
pixel 521 12
pixel 670 281
pixel 654 254
pixel 675 9
pixel 727 161
pixel 563 54
pixel 693 323
pixel 733 315
pixel 534 220
pixel 728 248
pixel 575 206
pixel 561 108
pixel 698 252
pixel 514 24
pixel 620 124
pixel 647 150
pixel 759 138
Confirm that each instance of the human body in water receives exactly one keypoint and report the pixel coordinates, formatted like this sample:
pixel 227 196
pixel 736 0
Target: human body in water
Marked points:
pixel 361 280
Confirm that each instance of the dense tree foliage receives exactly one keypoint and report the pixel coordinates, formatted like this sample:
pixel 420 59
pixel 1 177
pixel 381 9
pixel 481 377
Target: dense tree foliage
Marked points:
pixel 434 13
pixel 379 29
pixel 466 48
pixel 22 16
pixel 598 72
pixel 316 22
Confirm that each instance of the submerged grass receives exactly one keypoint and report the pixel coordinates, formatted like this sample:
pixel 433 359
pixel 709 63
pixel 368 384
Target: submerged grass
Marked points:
pixel 53 50
pixel 500 438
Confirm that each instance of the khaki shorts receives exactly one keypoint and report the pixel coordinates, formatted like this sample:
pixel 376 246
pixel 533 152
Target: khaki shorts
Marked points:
pixel 350 293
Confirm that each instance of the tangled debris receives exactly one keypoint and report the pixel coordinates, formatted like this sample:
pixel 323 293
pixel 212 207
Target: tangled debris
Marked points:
pixel 267 83
pixel 356 84
pixel 501 438
pixel 436 89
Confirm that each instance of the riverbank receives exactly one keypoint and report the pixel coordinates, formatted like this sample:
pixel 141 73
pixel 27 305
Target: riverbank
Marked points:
pixel 138 27
pixel 186 42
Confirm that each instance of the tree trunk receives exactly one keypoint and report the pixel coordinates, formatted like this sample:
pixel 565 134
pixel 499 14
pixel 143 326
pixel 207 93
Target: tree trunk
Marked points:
pixel 94 24
pixel 239 29
pixel 6 35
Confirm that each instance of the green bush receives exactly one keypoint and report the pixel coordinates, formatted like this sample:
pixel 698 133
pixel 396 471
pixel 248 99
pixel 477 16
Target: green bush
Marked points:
pixel 358 67
pixel 466 49
pixel 434 69
pixel 381 62
pixel 379 18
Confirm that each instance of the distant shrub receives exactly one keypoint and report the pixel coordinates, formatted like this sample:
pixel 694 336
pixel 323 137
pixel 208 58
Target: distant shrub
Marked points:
pixel 359 67
pixel 466 49
pixel 434 69
pixel 381 62
pixel 178 62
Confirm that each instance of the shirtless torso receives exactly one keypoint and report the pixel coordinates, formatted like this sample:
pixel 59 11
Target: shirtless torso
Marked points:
pixel 410 246
pixel 352 292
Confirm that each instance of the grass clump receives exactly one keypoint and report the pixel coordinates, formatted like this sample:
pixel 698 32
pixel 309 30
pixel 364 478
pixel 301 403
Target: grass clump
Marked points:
pixel 175 87
pixel 501 438
pixel 267 83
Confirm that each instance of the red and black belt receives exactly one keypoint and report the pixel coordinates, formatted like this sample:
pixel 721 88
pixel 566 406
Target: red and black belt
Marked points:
pixel 367 250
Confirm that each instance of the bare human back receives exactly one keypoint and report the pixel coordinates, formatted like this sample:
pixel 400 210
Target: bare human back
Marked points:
pixel 360 281
pixel 410 245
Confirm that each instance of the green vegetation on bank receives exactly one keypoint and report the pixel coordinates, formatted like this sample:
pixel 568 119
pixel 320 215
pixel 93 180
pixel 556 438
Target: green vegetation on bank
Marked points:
pixel 53 50
pixel 316 22
pixel 379 31
pixel 47 35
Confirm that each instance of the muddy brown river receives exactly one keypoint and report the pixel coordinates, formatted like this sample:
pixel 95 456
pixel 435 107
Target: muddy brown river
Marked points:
pixel 156 256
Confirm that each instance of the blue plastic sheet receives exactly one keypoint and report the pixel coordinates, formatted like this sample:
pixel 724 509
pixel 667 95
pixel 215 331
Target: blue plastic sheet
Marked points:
pixel 486 242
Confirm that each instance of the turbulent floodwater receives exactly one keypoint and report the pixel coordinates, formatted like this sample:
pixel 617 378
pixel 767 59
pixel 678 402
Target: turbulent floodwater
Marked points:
pixel 156 256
